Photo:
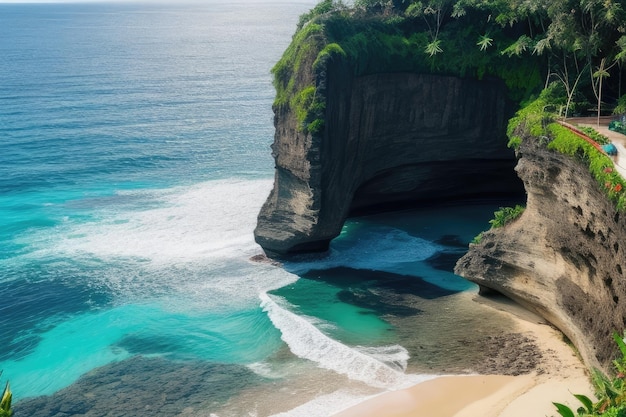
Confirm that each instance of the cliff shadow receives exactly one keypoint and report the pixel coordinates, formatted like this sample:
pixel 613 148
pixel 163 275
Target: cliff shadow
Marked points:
pixel 385 293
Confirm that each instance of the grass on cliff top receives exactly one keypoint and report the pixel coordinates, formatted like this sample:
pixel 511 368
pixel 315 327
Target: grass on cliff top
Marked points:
pixel 294 78
pixel 535 122
pixel 599 164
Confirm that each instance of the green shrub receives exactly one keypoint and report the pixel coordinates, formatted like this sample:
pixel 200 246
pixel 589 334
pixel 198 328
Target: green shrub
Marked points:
pixel 621 105
pixel 501 218
pixel 329 51
pixel 478 238
pixel 303 48
pixel 295 84
pixel 316 126
pixel 323 7
pixel 506 215
pixel 618 126
pixel 594 134
pixel 610 392
pixel 531 119
pixel 568 143
pixel 301 102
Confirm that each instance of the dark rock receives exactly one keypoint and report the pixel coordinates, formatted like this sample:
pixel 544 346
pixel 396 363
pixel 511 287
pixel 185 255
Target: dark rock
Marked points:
pixel 383 306
pixel 508 354
pixel 452 241
pixel 390 140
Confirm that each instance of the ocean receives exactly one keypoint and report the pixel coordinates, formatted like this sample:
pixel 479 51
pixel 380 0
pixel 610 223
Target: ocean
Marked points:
pixel 134 158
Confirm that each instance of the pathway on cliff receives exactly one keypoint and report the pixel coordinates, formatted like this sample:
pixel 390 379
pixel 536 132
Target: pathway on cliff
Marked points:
pixel 618 139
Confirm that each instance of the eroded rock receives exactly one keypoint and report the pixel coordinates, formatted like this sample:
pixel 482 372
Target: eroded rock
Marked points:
pixel 564 257
pixel 390 140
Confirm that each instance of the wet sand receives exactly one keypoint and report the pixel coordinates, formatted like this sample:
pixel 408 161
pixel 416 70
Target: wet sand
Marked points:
pixel 559 375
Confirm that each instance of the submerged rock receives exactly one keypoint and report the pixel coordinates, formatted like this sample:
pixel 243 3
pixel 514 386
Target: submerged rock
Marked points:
pixel 140 387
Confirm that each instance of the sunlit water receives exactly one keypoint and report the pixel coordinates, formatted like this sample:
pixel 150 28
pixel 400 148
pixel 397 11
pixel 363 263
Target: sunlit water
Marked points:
pixel 134 157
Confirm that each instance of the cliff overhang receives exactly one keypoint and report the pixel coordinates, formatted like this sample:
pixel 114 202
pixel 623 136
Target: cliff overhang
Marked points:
pixel 354 134
pixel 564 256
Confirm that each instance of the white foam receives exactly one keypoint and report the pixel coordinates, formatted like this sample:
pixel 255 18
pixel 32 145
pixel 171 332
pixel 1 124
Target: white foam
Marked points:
pixel 264 370
pixel 376 248
pixel 192 241
pixel 307 342
pixel 214 219
pixel 394 356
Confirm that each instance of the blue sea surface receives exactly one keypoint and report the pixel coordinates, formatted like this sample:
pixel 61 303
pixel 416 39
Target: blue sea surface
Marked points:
pixel 134 158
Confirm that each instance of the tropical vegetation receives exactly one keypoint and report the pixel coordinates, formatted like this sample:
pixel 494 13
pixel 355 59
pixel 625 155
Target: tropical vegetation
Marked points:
pixel 5 401
pixel 578 45
pixel 502 217
pixel 535 121
pixel 506 215
pixel 618 126
pixel 610 392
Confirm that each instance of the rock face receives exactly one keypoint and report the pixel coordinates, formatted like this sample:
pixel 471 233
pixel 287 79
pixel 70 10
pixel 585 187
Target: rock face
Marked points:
pixel 389 140
pixel 564 257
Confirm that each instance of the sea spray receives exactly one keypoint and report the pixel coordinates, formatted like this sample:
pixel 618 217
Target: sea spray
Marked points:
pixel 136 241
pixel 209 220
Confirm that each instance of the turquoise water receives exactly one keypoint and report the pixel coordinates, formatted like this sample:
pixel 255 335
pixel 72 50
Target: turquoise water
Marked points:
pixel 134 158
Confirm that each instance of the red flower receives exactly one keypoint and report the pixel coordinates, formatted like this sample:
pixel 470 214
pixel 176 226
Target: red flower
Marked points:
pixel 617 188
pixel 608 170
pixel 607 184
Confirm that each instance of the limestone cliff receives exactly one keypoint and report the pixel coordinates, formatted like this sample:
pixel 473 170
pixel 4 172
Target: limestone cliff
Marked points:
pixel 564 257
pixel 388 139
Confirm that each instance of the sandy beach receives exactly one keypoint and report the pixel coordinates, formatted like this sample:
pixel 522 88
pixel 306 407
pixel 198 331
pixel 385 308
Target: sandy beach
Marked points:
pixel 558 375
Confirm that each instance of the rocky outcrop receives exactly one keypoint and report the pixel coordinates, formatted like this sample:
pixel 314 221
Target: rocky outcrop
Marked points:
pixel 388 140
pixel 564 257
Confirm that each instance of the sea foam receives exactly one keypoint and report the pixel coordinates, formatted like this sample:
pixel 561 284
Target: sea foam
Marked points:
pixel 214 219
pixel 139 240
pixel 371 365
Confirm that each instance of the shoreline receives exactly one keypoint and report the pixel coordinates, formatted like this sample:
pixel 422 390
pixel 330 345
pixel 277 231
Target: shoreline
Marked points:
pixel 558 375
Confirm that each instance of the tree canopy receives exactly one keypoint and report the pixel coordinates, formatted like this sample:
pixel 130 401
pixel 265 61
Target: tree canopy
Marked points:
pixel 582 43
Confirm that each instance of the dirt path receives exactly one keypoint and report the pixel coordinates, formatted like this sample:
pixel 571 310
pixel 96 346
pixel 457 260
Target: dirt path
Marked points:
pixel 618 139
